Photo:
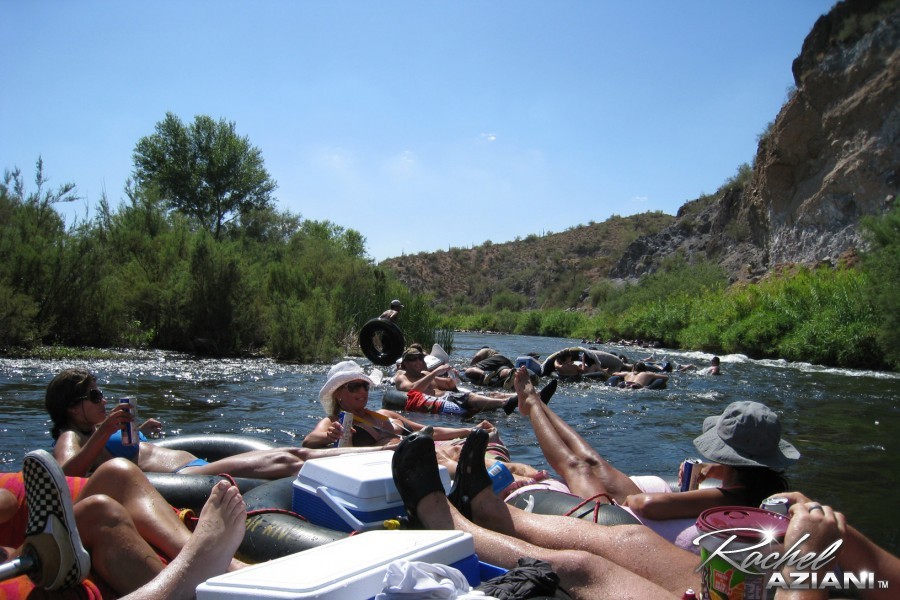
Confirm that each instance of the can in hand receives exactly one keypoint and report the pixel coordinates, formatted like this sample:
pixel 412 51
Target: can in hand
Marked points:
pixel 129 430
pixel 688 477
pixel 346 421
pixel 776 505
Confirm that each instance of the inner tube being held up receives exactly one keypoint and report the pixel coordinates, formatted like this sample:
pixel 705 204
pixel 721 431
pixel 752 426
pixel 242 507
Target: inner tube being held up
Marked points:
pixel 381 341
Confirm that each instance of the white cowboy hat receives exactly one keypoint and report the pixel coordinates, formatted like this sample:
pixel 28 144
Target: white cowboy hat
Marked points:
pixel 341 373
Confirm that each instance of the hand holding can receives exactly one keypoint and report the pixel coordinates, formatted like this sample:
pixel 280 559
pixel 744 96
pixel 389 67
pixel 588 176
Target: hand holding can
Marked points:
pixel 129 429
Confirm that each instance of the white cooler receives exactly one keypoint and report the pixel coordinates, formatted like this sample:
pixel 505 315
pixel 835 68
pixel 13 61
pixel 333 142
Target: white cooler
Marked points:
pixel 352 568
pixel 350 492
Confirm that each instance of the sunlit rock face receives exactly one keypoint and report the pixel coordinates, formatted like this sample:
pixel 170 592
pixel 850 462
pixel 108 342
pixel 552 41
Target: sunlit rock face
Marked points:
pixel 831 156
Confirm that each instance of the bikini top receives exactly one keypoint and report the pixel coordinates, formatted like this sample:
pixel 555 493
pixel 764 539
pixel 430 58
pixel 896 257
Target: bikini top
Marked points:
pixel 372 429
pixel 114 445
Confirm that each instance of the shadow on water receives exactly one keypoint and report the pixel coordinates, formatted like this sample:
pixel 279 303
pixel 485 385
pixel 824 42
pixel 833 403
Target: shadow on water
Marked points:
pixel 844 422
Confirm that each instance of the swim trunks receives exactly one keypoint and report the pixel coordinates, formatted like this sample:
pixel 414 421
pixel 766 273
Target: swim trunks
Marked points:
pixel 451 403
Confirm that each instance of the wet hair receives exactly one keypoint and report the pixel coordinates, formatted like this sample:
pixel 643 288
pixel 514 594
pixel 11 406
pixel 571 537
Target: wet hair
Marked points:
pixel 715 361
pixel 64 392
pixel 755 484
pixel 640 367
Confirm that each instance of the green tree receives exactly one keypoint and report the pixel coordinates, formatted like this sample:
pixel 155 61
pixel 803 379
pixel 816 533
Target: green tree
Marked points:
pixel 882 264
pixel 204 170
pixel 33 249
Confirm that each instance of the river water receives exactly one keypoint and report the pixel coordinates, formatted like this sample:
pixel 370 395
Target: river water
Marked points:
pixel 846 423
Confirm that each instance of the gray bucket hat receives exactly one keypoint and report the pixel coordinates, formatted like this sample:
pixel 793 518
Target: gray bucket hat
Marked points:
pixel 747 434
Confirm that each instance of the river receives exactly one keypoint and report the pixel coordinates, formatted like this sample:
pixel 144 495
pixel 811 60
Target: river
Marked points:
pixel 846 423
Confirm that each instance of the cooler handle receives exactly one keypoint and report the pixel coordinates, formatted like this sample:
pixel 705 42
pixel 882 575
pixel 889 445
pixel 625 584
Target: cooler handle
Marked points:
pixel 341 511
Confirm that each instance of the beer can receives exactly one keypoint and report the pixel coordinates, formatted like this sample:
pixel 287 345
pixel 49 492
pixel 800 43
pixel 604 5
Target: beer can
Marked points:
pixel 776 505
pixel 688 477
pixel 346 421
pixel 129 430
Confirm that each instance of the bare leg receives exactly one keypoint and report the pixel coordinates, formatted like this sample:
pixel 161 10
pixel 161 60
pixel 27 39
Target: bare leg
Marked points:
pixel 268 464
pixel 482 402
pixel 633 547
pixel 118 553
pixel 153 517
pixel 586 472
pixel 208 552
pixel 582 574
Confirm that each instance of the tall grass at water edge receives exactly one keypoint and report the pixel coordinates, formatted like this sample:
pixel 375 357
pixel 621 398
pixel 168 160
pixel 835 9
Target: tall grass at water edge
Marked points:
pixel 824 316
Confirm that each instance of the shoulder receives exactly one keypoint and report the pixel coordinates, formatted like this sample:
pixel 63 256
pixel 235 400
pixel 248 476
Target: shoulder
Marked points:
pixel 69 438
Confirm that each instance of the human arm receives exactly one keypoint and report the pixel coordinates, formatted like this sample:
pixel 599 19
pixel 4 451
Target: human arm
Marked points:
pixel 403 383
pixel 858 553
pixel 150 427
pixel 439 433
pixel 76 455
pixel 456 433
pixel 324 434
pixel 814 531
pixel 674 505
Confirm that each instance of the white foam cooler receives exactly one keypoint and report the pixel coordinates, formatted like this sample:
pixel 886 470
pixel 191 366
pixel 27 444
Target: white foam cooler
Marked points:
pixel 351 568
pixel 350 492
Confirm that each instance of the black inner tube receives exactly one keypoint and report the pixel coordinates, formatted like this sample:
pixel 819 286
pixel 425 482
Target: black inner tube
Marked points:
pixel 381 341
pixel 275 534
pixel 552 502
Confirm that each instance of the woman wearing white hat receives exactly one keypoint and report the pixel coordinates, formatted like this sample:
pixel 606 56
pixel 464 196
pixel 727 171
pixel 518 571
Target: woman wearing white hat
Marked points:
pixel 347 389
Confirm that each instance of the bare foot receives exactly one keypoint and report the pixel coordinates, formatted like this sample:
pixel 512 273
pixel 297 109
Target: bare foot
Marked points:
pixel 220 529
pixel 525 390
pixel 208 552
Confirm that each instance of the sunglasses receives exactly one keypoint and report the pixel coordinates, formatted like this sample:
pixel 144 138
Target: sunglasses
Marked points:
pixel 95 396
pixel 413 357
pixel 355 385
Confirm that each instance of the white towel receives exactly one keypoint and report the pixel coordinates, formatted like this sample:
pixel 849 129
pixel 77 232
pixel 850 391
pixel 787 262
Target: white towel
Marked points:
pixel 406 580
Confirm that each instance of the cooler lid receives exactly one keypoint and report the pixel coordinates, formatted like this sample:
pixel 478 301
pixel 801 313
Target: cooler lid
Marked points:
pixel 754 523
pixel 364 475
pixel 343 562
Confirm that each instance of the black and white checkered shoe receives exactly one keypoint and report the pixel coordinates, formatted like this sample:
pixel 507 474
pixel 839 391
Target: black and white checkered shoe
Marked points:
pixel 51 532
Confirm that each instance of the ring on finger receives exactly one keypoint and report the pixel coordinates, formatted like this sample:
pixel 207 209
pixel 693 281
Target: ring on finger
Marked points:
pixel 816 507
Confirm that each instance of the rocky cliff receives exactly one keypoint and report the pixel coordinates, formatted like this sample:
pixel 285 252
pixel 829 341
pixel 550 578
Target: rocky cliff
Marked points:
pixel 831 156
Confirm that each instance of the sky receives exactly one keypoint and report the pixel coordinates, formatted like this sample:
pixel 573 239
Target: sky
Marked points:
pixel 425 126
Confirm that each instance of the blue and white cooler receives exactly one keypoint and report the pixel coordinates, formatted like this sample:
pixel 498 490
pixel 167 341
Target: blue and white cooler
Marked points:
pixel 350 492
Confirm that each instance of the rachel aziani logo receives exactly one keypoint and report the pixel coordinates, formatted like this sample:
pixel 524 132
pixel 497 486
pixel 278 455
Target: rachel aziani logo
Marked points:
pixel 788 570
pixel 827 581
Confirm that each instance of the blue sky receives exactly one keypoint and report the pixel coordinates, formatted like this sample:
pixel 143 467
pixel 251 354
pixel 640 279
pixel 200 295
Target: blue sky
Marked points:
pixel 423 125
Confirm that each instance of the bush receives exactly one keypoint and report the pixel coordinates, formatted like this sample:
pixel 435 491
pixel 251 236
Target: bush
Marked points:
pixel 882 265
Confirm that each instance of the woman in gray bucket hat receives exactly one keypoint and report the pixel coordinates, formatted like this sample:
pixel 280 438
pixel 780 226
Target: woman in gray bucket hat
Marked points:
pixel 747 434
pixel 742 447
pixel 744 444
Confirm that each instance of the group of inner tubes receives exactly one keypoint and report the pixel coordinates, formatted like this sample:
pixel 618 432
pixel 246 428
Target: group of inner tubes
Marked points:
pixel 275 530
